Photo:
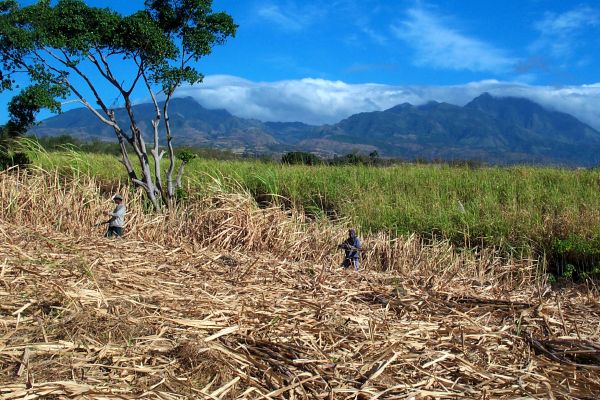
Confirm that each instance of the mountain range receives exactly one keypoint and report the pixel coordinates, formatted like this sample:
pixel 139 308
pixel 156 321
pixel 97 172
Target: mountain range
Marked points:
pixel 496 130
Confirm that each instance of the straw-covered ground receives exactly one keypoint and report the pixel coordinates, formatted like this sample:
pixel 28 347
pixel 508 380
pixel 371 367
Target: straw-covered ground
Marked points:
pixel 221 299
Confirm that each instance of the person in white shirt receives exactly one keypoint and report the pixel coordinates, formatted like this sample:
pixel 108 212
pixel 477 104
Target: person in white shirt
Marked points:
pixel 117 218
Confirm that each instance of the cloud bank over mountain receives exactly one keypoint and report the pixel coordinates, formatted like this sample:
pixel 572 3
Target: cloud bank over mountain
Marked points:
pixel 318 101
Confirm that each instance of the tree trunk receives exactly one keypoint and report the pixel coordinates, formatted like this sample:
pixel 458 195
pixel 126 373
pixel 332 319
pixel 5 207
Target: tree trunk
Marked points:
pixel 157 155
pixel 171 152
pixel 180 174
pixel 125 158
pixel 139 146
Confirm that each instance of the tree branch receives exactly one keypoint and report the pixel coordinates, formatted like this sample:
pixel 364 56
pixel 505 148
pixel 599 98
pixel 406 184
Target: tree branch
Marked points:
pixel 87 80
pixel 140 183
pixel 171 152
pixel 106 74
pixel 121 136
pixel 73 89
pixel 135 81
pixel 105 63
pixel 155 124
pixel 191 56
pixel 180 174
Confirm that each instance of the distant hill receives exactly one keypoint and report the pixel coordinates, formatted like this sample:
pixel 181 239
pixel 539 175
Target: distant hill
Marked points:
pixel 498 130
pixel 193 125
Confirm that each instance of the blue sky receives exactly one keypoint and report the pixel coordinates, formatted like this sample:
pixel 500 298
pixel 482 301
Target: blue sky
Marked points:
pixel 319 61
pixel 413 42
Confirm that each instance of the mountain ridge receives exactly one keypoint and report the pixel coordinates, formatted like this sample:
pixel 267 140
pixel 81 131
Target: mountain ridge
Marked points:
pixel 497 130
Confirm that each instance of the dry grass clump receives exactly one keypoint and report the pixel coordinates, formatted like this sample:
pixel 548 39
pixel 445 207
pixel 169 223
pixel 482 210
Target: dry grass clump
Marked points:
pixel 231 314
pixel 233 222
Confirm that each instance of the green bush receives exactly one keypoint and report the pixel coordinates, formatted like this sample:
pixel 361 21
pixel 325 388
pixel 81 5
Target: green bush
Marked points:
pixel 575 257
pixel 300 157
pixel 10 159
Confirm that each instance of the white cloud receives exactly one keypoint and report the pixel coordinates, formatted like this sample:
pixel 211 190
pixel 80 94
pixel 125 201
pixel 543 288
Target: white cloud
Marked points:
pixel 372 34
pixel 560 33
pixel 569 21
pixel 289 17
pixel 440 46
pixel 318 101
pixel 276 15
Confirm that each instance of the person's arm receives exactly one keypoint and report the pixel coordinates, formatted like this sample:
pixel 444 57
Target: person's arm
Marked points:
pixel 118 212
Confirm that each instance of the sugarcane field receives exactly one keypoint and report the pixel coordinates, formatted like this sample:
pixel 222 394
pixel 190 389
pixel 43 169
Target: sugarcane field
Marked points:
pixel 223 299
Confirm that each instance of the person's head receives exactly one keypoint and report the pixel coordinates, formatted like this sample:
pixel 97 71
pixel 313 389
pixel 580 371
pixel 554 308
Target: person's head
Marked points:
pixel 117 198
pixel 352 233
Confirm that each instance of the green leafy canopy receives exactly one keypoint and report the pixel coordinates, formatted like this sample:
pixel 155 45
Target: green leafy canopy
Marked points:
pixel 47 42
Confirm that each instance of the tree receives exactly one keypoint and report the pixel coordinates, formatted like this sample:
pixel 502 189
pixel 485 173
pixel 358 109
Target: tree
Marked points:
pixel 374 157
pixel 22 109
pixel 300 157
pixel 72 49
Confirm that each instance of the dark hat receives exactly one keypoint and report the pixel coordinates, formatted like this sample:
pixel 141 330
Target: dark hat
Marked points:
pixel 352 232
pixel 117 197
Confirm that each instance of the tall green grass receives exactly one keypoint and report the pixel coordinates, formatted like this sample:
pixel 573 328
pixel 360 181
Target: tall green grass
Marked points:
pixel 513 207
